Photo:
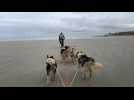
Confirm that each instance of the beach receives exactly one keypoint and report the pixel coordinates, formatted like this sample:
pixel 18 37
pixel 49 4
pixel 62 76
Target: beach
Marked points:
pixel 22 63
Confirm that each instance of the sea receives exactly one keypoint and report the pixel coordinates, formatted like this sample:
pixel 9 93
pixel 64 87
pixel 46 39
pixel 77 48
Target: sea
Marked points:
pixel 44 36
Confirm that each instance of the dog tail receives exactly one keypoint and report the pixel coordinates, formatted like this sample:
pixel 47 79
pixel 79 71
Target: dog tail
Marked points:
pixel 98 65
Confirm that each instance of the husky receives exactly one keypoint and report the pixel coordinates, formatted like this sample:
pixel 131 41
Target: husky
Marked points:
pixel 85 63
pixel 67 52
pixel 51 67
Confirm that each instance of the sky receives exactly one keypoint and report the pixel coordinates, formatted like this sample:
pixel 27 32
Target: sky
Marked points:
pixel 36 24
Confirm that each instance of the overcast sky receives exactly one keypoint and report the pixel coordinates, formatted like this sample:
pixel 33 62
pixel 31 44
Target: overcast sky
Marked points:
pixel 55 22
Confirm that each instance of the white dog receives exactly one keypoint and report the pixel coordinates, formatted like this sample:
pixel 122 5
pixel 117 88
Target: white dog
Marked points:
pixel 51 67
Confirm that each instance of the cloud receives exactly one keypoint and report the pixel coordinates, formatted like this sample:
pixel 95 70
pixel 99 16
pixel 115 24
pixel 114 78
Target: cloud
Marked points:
pixel 54 22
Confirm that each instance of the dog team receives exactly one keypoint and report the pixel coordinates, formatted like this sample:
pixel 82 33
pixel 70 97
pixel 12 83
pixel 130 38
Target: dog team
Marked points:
pixel 80 58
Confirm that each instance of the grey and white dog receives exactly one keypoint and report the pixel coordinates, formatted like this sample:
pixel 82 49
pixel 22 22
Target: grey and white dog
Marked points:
pixel 85 63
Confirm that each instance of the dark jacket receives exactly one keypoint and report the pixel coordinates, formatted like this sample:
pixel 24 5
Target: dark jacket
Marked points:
pixel 61 37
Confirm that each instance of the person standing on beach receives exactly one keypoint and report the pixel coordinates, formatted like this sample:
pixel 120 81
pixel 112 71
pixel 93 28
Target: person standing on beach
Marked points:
pixel 61 39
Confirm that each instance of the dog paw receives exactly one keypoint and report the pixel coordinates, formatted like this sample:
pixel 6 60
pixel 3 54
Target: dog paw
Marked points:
pixel 47 80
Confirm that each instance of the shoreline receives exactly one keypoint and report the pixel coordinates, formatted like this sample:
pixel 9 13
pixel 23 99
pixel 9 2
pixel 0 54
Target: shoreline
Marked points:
pixel 90 38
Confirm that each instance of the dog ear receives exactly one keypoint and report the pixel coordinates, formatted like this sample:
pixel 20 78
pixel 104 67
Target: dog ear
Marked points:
pixel 52 57
pixel 72 49
pixel 81 52
pixel 77 54
pixel 47 56
pixel 93 60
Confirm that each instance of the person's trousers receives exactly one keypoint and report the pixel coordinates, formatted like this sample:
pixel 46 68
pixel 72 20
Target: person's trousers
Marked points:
pixel 61 42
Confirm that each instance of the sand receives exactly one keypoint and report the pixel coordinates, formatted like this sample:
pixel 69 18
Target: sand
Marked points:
pixel 22 62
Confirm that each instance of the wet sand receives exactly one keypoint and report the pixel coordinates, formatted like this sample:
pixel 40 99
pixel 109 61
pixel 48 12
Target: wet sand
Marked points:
pixel 22 62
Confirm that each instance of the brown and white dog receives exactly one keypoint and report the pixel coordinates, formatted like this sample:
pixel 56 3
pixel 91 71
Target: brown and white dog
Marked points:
pixel 51 67
pixel 67 52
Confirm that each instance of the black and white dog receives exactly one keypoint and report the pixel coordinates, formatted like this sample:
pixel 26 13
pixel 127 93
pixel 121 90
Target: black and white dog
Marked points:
pixel 51 67
pixel 85 63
